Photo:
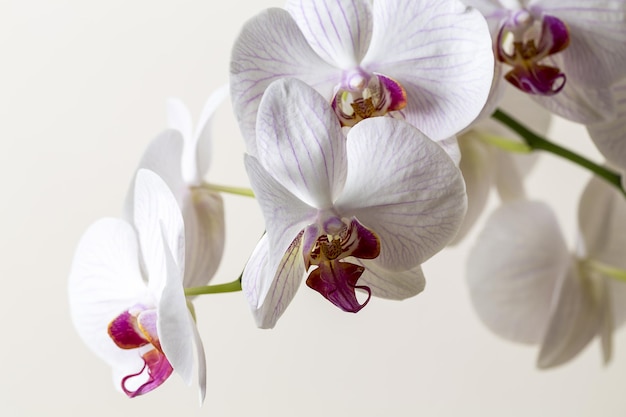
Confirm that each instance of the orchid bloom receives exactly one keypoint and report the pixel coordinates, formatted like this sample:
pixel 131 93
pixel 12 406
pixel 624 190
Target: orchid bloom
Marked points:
pixel 361 212
pixel 528 287
pixel 566 53
pixel 485 166
pixel 126 293
pixel 181 157
pixel 427 61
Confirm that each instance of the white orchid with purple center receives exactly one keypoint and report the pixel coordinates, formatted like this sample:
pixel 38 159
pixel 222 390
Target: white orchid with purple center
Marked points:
pixel 428 62
pixel 361 212
pixel 528 287
pixel 126 293
pixel 566 53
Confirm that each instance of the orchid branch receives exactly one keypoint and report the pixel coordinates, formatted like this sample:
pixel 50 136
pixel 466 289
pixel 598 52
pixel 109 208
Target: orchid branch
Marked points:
pixel 215 289
pixel 537 142
pixel 246 192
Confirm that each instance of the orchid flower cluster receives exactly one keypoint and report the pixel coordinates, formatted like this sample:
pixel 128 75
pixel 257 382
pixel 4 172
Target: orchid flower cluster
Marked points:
pixel 374 133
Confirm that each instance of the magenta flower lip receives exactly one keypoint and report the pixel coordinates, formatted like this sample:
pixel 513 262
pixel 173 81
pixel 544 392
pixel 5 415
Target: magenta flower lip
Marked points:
pixel 529 74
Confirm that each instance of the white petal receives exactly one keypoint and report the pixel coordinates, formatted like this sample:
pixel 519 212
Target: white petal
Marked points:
pixel 579 104
pixel 203 212
pixel 201 363
pixel 156 209
pixel 403 187
pixel 285 215
pixel 391 284
pixel 610 136
pixel 478 167
pixel 105 280
pixel 509 179
pixel 270 47
pixel 602 221
pixel 494 11
pixel 513 268
pixel 174 321
pixel 339 31
pixel 576 319
pixel 203 142
pixel 300 142
pixel 440 51
pixel 163 156
pixel 272 285
pixel 178 118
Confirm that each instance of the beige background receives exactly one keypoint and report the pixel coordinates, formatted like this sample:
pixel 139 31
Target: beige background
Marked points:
pixel 82 91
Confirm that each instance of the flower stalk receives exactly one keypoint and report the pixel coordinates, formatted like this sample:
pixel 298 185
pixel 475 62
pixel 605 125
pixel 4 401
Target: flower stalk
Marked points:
pixel 233 286
pixel 537 142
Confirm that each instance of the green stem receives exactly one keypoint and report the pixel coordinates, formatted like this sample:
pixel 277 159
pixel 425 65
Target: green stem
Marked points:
pixel 215 289
pixel 537 142
pixel 610 271
pixel 246 192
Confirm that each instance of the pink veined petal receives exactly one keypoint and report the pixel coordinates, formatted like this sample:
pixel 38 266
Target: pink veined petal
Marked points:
pixel 156 209
pixel 441 53
pixel 300 142
pixel 285 215
pixel 203 142
pixel 610 136
pixel 105 280
pixel 261 56
pixel 596 55
pixel 577 317
pixel 580 104
pixel 174 321
pixel 272 284
pixel 203 211
pixel 162 156
pixel 339 31
pixel 392 285
pixel 513 269
pixel 403 187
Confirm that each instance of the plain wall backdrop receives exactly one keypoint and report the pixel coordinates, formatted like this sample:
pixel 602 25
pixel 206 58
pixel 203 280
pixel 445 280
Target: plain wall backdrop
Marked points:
pixel 83 87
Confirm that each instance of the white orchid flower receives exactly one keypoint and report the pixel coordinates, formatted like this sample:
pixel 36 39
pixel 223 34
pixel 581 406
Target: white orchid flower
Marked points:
pixel 566 53
pixel 182 157
pixel 526 285
pixel 126 293
pixel 486 166
pixel 356 213
pixel 427 61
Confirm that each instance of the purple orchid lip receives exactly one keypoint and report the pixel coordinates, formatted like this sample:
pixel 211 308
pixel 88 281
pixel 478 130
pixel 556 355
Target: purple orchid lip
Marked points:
pixel 336 281
pixel 365 97
pixel 333 277
pixel 135 330
pixel 528 73
pixel 158 369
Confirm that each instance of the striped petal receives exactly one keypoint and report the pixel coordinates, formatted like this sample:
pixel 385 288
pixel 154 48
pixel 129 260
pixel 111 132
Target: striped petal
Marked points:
pixel 300 142
pixel 261 56
pixel 441 53
pixel 339 31
pixel 415 203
